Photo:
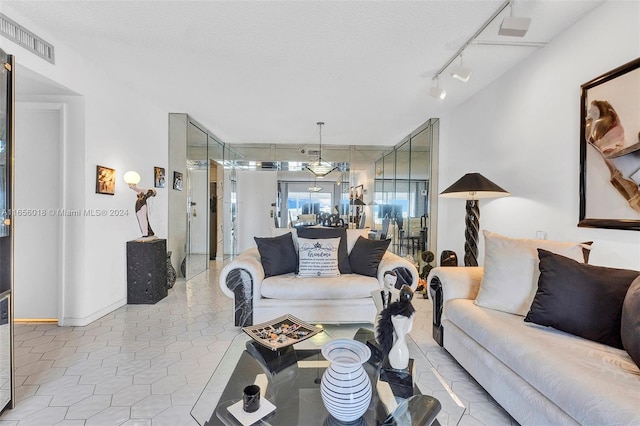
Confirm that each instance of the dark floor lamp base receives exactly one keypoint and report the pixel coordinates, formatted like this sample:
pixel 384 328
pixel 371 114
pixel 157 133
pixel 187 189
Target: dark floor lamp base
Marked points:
pixel 472 222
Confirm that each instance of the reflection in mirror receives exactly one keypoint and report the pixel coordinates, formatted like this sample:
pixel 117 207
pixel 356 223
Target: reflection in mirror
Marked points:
pixel 293 197
pixel 196 187
pixel 5 353
pixel 402 194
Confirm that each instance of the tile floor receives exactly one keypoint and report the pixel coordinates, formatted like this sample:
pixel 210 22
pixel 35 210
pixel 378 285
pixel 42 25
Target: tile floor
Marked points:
pixel 147 364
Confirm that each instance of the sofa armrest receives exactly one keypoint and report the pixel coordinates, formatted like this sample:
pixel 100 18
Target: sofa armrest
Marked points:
pixel 240 280
pixel 462 282
pixel 249 260
pixel 393 262
pixel 446 283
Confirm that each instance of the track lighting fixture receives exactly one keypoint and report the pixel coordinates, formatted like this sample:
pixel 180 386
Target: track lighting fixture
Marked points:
pixel 511 26
pixel 437 92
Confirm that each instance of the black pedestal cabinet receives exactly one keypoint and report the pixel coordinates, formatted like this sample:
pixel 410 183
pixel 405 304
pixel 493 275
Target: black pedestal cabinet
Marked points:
pixel 146 271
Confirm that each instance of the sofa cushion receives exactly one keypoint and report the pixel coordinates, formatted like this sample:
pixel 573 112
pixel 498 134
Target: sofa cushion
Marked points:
pixel 580 299
pixel 511 270
pixel 343 255
pixel 630 325
pixel 366 256
pixel 292 287
pixel 277 254
pixel 590 381
pixel 318 257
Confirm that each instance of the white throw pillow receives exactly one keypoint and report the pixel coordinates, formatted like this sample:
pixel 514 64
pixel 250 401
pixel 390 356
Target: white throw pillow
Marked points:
pixel 318 257
pixel 353 235
pixel 510 277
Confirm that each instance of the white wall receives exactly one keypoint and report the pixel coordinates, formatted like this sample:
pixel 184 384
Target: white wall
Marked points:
pixel 37 156
pixel 522 132
pixel 256 192
pixel 109 125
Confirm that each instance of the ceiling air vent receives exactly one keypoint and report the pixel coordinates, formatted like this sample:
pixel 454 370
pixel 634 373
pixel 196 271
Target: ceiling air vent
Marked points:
pixel 26 39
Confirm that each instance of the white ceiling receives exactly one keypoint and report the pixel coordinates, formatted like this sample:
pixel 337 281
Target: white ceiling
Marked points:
pixel 267 71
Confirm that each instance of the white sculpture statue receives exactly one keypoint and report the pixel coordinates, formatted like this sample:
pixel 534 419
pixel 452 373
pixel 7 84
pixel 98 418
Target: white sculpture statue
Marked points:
pixel 394 322
pixel 389 293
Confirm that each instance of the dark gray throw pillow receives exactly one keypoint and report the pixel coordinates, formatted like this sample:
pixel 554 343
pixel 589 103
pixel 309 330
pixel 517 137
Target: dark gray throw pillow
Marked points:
pixel 630 325
pixel 277 255
pixel 580 299
pixel 366 255
pixel 323 233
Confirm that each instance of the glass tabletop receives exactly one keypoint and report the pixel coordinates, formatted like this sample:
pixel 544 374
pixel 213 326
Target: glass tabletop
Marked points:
pixel 295 391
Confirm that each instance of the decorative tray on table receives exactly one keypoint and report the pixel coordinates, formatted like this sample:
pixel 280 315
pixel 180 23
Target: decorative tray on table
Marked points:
pixel 281 332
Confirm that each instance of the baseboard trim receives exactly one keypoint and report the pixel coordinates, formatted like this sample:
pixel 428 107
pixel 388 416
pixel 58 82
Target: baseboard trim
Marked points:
pixel 80 322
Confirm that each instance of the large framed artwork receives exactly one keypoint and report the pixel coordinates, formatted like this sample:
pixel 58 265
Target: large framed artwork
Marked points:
pixel 610 149
pixel 105 180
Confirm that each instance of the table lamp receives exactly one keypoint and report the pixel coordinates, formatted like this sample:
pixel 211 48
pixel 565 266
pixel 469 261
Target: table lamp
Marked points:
pixel 472 187
pixel 132 178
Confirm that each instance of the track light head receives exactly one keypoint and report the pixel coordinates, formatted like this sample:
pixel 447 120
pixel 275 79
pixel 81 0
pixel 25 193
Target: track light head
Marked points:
pixel 514 27
pixel 461 73
pixel 438 93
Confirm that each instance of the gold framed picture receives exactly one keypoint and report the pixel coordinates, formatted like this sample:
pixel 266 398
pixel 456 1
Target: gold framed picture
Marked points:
pixel 105 180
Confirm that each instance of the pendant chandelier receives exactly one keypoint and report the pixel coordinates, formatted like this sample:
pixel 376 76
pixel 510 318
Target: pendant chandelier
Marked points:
pixel 320 168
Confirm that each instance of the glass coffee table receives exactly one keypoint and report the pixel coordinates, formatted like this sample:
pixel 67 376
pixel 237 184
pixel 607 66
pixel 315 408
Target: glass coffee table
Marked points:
pixel 295 391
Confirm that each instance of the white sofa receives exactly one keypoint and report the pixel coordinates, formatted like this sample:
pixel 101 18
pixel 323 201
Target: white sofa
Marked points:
pixel 541 376
pixel 342 299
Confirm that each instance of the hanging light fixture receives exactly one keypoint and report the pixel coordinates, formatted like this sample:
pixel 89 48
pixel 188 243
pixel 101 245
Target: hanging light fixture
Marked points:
pixel 315 187
pixel 320 168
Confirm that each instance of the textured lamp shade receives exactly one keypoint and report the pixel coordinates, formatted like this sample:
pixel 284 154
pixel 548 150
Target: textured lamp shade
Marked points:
pixel 132 178
pixel 472 187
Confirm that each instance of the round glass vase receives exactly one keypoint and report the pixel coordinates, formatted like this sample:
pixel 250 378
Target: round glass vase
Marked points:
pixel 345 386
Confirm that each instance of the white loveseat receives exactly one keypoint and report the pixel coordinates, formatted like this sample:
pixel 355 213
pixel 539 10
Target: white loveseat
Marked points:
pixel 540 375
pixel 342 299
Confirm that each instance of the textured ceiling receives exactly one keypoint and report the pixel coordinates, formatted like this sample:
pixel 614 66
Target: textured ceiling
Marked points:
pixel 266 72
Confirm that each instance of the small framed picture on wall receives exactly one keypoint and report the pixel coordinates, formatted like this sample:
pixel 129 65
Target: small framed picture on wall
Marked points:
pixel 177 181
pixel 105 180
pixel 158 177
